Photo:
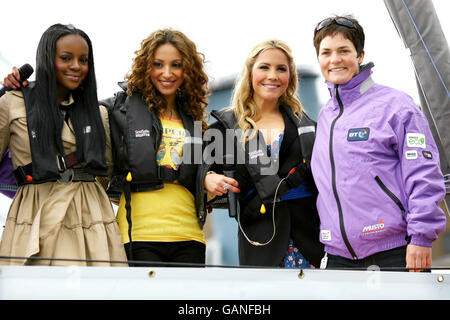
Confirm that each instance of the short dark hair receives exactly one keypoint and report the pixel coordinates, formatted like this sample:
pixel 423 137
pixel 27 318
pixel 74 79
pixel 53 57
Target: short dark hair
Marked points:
pixel 355 35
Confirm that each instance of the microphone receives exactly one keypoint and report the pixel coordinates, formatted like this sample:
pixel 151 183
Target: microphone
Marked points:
pixel 25 72
pixel 228 170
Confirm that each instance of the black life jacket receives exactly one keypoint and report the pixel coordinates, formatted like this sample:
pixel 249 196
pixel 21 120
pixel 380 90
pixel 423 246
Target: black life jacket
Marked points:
pixel 136 135
pixel 263 178
pixel 48 166
pixel 295 219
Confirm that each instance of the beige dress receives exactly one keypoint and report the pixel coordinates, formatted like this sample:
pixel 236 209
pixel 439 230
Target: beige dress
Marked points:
pixel 72 220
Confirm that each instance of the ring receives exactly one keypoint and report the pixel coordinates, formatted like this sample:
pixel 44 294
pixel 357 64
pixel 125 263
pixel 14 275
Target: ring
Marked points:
pixel 225 186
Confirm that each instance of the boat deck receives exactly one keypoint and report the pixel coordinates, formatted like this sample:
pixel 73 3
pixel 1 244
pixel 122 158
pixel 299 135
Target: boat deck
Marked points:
pixel 216 283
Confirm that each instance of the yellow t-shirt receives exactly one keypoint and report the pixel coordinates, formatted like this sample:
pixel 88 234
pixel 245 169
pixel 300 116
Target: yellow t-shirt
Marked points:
pixel 167 214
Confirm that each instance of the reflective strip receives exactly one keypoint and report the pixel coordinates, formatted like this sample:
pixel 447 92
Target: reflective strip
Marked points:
pixel 366 85
pixel 307 129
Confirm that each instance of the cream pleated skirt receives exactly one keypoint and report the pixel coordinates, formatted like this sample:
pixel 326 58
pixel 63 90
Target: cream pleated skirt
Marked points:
pixel 73 221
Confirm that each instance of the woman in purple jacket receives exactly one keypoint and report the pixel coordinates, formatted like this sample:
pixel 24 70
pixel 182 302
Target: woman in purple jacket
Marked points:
pixel 374 161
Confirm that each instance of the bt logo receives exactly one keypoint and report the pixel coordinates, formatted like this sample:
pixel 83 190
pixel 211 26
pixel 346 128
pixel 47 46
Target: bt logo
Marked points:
pixel 358 134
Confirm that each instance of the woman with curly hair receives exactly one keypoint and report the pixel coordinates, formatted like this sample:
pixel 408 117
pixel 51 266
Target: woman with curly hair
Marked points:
pixel 156 126
pixel 278 221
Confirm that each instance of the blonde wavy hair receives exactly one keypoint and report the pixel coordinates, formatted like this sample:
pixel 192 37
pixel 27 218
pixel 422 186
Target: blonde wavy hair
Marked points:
pixel 192 94
pixel 243 105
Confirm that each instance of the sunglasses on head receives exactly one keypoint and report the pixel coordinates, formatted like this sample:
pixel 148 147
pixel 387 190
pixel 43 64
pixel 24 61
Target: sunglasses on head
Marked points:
pixel 340 21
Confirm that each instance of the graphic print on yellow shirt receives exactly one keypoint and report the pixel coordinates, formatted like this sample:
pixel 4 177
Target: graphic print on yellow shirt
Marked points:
pixel 167 214
pixel 170 150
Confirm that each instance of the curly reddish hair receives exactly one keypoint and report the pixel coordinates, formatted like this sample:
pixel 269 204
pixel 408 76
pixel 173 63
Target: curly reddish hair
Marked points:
pixel 192 94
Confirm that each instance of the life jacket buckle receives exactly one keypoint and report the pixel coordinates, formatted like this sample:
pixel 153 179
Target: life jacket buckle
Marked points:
pixel 66 176
pixel 61 163
pixel 167 174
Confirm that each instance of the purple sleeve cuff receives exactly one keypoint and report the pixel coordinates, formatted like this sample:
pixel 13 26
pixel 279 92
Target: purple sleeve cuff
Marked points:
pixel 421 241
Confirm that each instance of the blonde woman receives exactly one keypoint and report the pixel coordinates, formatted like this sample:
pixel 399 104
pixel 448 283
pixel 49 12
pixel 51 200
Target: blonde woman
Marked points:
pixel 272 140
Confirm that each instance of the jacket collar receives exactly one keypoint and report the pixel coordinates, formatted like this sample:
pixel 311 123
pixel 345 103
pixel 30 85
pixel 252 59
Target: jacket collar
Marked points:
pixel 123 85
pixel 228 118
pixel 356 87
pixel 138 101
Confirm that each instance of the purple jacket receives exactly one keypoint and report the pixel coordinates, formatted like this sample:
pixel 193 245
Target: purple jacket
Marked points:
pixel 6 175
pixel 376 167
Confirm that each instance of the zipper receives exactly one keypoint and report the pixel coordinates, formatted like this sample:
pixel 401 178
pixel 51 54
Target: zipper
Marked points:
pixel 333 177
pixel 391 195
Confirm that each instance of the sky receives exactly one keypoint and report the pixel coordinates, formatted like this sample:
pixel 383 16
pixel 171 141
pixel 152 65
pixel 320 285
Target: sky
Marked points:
pixel 224 31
